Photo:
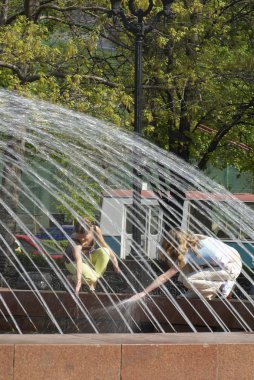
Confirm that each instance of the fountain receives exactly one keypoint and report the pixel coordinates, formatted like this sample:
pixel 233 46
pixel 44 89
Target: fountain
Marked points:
pixel 53 157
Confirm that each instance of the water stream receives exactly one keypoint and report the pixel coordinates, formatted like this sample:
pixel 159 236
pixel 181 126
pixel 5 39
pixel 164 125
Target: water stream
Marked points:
pixel 74 161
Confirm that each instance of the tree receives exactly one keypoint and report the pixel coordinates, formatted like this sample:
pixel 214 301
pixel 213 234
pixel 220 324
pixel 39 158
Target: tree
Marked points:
pixel 205 79
pixel 198 70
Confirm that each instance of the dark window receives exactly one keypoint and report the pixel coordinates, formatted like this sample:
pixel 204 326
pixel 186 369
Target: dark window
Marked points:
pixel 60 218
pixel 243 233
pixel 130 219
pixel 154 223
pixel 209 216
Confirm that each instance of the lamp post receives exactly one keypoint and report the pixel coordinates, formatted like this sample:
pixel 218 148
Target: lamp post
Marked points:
pixel 135 23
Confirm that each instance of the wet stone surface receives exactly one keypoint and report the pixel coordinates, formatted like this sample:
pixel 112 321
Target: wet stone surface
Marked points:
pixel 133 278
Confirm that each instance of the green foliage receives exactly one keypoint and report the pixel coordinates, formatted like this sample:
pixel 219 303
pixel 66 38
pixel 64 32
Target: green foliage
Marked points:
pixel 30 261
pixel 85 204
pixel 197 70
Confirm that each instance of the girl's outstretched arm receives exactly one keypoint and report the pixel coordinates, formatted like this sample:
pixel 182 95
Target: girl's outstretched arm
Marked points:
pixel 155 284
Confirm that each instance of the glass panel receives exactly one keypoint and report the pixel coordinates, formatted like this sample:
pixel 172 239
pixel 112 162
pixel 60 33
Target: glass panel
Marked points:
pixel 243 234
pixel 250 204
pixel 207 216
pixel 154 226
pixel 222 228
pixel 130 218
pixel 198 219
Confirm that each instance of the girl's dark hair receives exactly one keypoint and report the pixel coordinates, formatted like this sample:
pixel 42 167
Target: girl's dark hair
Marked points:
pixel 82 226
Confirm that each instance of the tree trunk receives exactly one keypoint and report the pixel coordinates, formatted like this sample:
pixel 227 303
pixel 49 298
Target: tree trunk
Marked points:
pixel 184 141
pixel 30 7
pixel 4 6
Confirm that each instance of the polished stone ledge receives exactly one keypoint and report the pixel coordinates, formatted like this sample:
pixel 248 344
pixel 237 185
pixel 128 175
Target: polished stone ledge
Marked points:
pixel 182 356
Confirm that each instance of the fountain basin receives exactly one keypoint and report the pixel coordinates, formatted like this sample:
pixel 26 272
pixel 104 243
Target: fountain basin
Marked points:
pixel 237 315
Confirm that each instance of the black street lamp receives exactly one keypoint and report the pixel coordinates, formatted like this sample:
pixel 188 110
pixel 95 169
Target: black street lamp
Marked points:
pixel 137 26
